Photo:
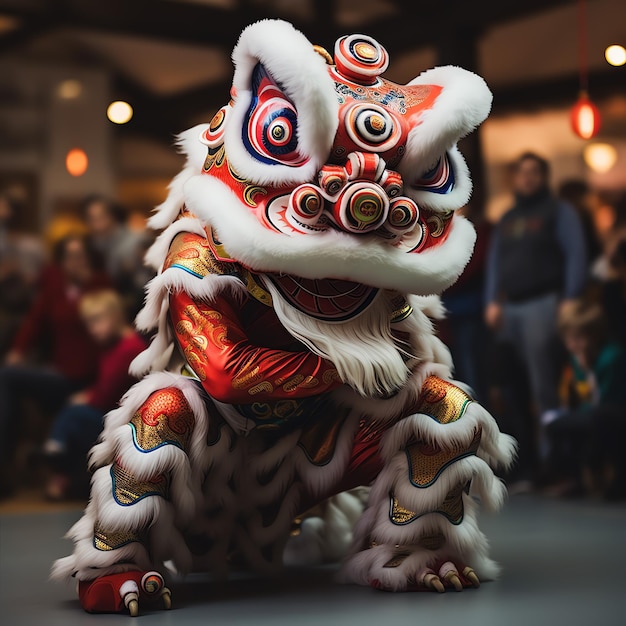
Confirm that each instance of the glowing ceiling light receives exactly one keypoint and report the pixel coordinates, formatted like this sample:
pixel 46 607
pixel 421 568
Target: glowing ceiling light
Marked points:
pixel 119 112
pixel 600 157
pixel 69 89
pixel 585 118
pixel 76 162
pixel 615 55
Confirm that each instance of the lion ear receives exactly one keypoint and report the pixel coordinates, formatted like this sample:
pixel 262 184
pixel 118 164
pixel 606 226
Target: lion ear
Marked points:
pixel 434 171
pixel 284 114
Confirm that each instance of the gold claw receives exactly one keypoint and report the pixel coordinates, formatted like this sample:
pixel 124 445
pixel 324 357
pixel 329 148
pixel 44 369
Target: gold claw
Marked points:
pixel 432 581
pixel 133 608
pixel 471 575
pixel 454 580
pixel 166 594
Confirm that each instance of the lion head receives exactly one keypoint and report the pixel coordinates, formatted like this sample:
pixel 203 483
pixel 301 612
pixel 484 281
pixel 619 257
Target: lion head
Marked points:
pixel 333 184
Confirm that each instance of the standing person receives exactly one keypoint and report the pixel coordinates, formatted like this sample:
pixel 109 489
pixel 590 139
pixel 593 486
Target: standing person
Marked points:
pixel 536 265
pixel 78 425
pixel 121 248
pixel 52 322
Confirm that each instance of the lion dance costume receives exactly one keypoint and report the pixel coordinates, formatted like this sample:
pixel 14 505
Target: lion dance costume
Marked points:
pixel 303 247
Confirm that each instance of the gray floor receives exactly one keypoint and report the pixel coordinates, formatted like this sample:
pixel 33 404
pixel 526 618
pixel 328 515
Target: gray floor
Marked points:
pixel 564 563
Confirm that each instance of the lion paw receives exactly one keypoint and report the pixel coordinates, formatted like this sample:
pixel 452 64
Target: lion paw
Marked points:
pixel 118 593
pixel 443 576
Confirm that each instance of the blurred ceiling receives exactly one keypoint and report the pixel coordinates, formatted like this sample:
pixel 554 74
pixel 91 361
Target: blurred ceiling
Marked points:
pixel 171 58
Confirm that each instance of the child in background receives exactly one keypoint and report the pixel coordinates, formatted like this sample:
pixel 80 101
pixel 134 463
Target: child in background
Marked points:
pixel 79 424
pixel 586 436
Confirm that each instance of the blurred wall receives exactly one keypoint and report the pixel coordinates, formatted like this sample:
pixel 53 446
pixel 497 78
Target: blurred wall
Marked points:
pixel 39 124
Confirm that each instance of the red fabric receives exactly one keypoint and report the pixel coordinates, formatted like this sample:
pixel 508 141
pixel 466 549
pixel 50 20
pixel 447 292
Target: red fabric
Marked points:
pixel 113 379
pixel 102 595
pixel 364 466
pixel 219 341
pixel 54 318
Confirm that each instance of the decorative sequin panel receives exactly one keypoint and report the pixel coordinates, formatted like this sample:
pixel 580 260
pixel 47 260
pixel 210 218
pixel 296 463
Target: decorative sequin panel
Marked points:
pixel 165 418
pixel 112 540
pixel 128 490
pixel 442 401
pixel 451 508
pixel 427 462
pixel 400 515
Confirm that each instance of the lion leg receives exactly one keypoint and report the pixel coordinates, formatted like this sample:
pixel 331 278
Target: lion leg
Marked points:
pixel 420 529
pixel 144 493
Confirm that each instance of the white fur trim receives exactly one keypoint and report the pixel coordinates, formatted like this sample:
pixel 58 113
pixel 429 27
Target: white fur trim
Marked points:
pixel 366 258
pixel 189 144
pixel 284 52
pixel 362 350
pixel 463 104
pixel 155 312
pixel 158 250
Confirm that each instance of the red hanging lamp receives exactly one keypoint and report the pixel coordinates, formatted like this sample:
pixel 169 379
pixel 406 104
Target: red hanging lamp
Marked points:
pixel 584 116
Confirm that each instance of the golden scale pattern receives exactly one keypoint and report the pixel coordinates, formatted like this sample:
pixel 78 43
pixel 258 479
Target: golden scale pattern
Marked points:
pixel 426 463
pixel 163 406
pixel 444 402
pixel 128 489
pixel 451 508
pixel 106 541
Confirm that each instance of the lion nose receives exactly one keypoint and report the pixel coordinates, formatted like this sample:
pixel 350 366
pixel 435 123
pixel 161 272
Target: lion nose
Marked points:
pixel 359 197
pixel 361 207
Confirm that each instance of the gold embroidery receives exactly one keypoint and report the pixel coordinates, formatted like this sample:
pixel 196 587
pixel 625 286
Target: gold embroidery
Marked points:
pixel 426 462
pixel 442 401
pixel 292 383
pixel 192 253
pixel 402 313
pixel 401 309
pixel 248 375
pixel 255 290
pixel 112 540
pixel 264 386
pixel 202 326
pixel 330 376
pixel 195 363
pixel 215 157
pixel 127 489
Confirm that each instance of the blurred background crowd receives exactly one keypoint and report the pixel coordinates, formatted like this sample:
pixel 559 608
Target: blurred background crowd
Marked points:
pixel 91 97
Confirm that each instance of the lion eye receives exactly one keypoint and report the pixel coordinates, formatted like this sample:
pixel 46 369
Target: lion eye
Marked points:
pixel 270 130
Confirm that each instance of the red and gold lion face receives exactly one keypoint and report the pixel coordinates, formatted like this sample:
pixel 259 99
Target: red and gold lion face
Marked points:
pixel 320 168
